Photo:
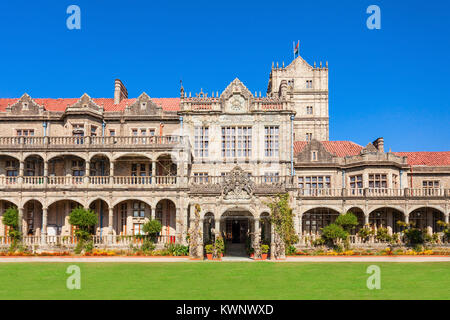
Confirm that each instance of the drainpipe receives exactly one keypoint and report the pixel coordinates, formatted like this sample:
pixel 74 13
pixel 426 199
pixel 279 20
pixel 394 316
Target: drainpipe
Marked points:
pixel 401 173
pixel 44 124
pixel 103 128
pixel 292 145
pixel 343 179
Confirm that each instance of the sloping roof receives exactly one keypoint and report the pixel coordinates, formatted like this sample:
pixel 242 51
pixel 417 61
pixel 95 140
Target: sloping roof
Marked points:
pixel 437 159
pixel 340 148
pixel 60 104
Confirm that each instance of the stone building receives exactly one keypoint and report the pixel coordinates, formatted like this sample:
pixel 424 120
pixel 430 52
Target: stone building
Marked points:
pixel 134 159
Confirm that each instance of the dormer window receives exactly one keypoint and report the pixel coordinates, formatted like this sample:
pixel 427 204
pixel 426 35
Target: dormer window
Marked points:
pixel 314 156
pixel 308 136
pixel 309 84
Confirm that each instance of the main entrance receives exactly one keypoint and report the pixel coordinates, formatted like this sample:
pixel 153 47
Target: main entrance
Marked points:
pixel 236 228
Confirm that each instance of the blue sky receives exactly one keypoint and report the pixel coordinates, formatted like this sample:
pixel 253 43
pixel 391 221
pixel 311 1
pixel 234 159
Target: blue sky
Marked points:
pixel 392 82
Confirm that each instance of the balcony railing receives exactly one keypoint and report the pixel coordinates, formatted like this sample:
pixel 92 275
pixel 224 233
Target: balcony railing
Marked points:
pixel 91 141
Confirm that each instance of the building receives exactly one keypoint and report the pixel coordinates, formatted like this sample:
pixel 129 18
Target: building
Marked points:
pixel 133 159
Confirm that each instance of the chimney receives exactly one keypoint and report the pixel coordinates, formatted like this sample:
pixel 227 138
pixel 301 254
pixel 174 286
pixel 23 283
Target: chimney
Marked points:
pixel 120 92
pixel 379 144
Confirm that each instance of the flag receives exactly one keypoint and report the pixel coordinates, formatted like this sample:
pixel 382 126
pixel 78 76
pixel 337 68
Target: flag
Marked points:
pixel 296 49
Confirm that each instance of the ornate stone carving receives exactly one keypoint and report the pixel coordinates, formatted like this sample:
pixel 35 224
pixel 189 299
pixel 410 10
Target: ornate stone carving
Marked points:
pixel 237 185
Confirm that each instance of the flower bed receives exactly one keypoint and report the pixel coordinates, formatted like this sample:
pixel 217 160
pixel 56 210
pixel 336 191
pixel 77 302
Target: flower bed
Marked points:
pixel 384 252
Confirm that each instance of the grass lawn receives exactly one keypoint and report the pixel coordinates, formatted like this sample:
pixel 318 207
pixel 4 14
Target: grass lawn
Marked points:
pixel 262 280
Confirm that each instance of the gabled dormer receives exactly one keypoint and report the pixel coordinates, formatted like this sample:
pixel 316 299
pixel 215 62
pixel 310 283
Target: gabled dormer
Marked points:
pixel 315 152
pixel 236 98
pixel 143 106
pixel 85 105
pixel 25 106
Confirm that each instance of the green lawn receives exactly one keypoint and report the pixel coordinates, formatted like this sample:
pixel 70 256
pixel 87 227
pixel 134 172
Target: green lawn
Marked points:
pixel 262 280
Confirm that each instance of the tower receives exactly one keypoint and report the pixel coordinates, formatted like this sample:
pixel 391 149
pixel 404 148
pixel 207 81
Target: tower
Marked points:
pixel 308 86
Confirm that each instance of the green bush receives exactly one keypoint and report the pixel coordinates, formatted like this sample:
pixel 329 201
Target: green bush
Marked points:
pixel 152 228
pixel 177 250
pixel 383 235
pixel 264 249
pixel 414 236
pixel 209 248
pixel 291 250
pixel 347 221
pixel 84 220
pixel 219 245
pixel 333 232
pixel 147 246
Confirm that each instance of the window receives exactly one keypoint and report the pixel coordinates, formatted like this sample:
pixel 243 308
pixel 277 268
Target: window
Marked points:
pixel 236 142
pixel 271 177
pixel 356 184
pixel 30 167
pixel 93 131
pixel 78 169
pixel 25 106
pixel 201 141
pixel 314 156
pixel 123 217
pixel 112 132
pixel 309 110
pixel 313 185
pixel 139 169
pixel 308 136
pixel 200 177
pixel 137 227
pixel 139 209
pixel 308 84
pixel 25 132
pixel 78 131
pixel 429 186
pixel 271 141
pixel 377 181
pixel 12 167
pixel 313 221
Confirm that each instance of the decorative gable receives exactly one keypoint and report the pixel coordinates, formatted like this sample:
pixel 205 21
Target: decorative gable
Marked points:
pixel 370 148
pixel 25 106
pixel 143 106
pixel 85 104
pixel 315 151
pixel 236 98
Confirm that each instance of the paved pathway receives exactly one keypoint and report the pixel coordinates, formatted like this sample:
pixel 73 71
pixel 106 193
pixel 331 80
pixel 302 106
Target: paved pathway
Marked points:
pixel 402 259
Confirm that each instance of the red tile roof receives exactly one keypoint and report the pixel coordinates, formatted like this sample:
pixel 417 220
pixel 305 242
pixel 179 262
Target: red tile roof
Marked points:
pixel 168 104
pixel 340 148
pixel 435 159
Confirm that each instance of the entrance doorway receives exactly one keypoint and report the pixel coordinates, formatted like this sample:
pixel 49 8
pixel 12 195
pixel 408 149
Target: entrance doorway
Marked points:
pixel 237 230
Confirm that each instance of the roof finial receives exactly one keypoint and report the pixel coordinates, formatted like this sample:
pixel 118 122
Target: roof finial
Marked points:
pixel 321 64
pixel 277 64
pixel 327 64
pixel 181 89
pixel 283 64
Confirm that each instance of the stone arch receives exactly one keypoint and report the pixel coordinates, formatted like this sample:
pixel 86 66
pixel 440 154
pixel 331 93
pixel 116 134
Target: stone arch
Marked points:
pixel 131 155
pixel 77 200
pixel 360 214
pixel 32 217
pixel 120 200
pixel 414 208
pixel 318 217
pixel 425 217
pixel 90 201
pixel 166 213
pixel 387 216
pixel 325 206
pixel 58 216
pixel 102 154
pixel 54 155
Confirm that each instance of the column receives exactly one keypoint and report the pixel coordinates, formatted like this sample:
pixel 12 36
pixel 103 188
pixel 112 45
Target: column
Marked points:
pixel 87 172
pixel 446 218
pixel 366 219
pixel 406 218
pixel 111 173
pixel 152 212
pixel 44 226
pixel 257 231
pixel 110 225
pixel 21 171
pixel 20 226
pixel 153 172
pixel 178 230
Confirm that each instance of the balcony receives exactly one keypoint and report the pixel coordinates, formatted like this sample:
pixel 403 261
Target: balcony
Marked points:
pixel 88 142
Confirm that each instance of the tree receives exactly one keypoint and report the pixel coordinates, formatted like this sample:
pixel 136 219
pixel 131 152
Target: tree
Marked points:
pixel 152 228
pixel 347 221
pixel 333 232
pixel 84 220
pixel 11 219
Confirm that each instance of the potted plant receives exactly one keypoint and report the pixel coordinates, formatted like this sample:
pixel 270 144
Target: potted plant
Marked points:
pixel 264 251
pixel 209 248
pixel 252 253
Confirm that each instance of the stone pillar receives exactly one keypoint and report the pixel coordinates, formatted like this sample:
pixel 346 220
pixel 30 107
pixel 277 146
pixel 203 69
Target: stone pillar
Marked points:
pixel 407 218
pixel 217 226
pixel 87 172
pixel 152 212
pixel 21 224
pixel 366 219
pixel 272 242
pixel 257 230
pixel 45 173
pixel 110 225
pixel 153 172
pixel 446 218
pixel 178 231
pixel 21 171
pixel 111 173
pixel 44 226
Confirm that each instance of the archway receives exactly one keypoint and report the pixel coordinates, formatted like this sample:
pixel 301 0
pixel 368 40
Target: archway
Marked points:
pixel 130 216
pixel 101 208
pixel 425 217
pixel 32 218
pixel 58 218
pixel 315 219
pixel 237 228
pixel 9 169
pixel 166 214
pixel 361 219
pixel 386 217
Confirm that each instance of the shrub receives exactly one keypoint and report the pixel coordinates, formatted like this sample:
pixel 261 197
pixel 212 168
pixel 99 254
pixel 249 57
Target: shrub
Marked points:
pixel 84 220
pixel 291 250
pixel 347 221
pixel 264 249
pixel 333 232
pixel 219 245
pixel 209 248
pixel 147 246
pixel 383 235
pixel 11 219
pixel 152 228
pixel 414 236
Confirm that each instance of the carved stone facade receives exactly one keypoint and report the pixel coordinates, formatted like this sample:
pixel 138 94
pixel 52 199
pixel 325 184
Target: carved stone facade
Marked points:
pixel 134 159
